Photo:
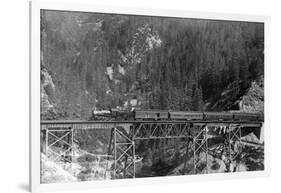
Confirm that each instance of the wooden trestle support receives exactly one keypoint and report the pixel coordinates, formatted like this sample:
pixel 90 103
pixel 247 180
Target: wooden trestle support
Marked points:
pixel 122 146
pixel 123 138
pixel 60 137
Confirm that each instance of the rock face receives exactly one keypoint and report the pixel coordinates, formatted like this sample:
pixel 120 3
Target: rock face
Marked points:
pixel 253 100
pixel 47 91
pixel 249 97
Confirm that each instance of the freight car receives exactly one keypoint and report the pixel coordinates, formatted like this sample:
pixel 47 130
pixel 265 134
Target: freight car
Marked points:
pixel 151 114
pixel 189 115
pixel 185 115
pixel 245 116
pixel 226 116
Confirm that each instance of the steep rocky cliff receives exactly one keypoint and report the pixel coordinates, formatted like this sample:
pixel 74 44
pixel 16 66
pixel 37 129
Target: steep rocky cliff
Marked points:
pixel 249 97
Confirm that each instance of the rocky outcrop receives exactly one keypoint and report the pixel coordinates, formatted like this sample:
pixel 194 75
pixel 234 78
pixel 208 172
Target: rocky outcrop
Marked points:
pixel 47 91
pixel 242 97
pixel 253 100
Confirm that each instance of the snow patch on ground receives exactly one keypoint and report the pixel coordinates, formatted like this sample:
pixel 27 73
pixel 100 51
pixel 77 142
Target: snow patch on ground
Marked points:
pixel 132 103
pixel 52 172
pixel 150 37
pixel 108 91
pixel 153 41
pixel 121 70
pixel 109 72
pixel 144 40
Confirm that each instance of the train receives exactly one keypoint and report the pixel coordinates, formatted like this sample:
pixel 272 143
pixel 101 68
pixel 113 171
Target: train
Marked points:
pixel 115 114
pixel 193 115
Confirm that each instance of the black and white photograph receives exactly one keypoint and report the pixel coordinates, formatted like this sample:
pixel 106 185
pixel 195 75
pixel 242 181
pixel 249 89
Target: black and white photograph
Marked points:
pixel 137 96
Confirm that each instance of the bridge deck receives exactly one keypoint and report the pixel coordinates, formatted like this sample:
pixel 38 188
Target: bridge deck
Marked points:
pixel 112 124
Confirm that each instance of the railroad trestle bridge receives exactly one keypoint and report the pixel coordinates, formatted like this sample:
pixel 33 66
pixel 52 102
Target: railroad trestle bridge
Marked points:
pixel 124 134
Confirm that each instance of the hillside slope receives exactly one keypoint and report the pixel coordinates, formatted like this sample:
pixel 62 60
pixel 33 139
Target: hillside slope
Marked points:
pixel 101 61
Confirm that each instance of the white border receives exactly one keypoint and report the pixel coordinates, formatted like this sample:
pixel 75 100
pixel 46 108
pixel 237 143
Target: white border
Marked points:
pixel 35 7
